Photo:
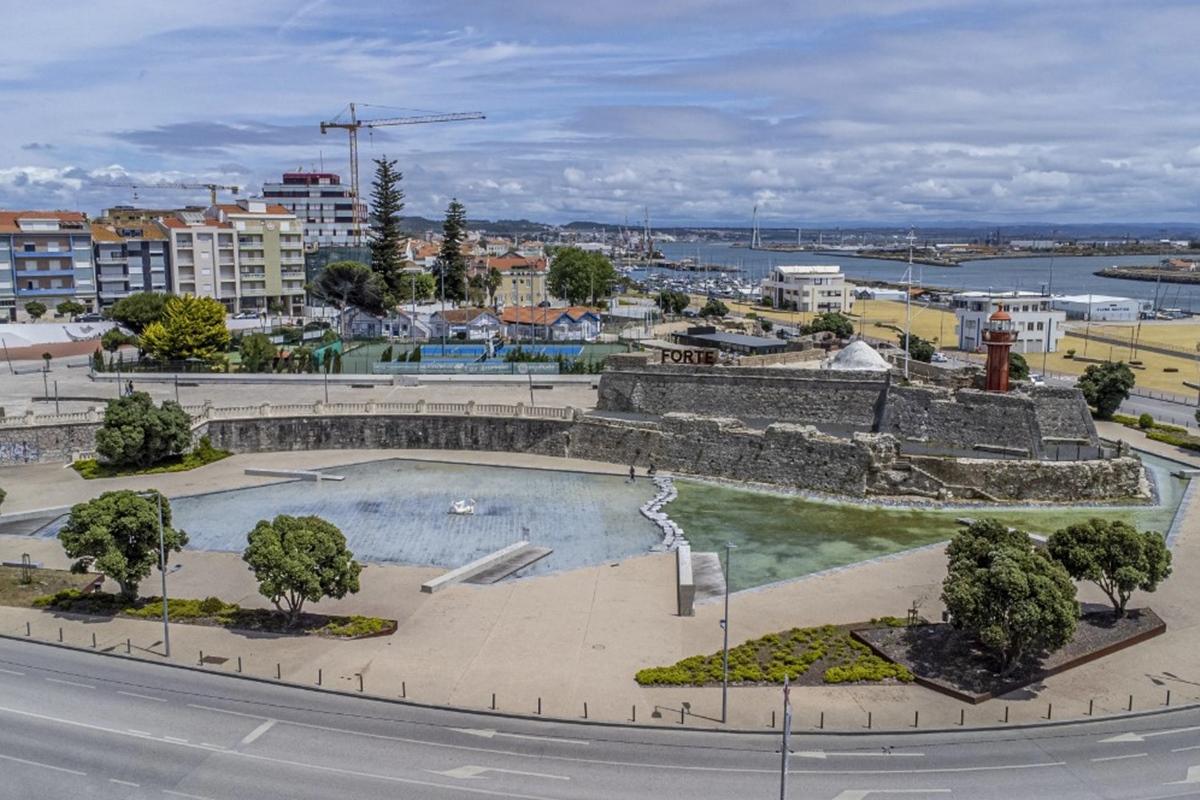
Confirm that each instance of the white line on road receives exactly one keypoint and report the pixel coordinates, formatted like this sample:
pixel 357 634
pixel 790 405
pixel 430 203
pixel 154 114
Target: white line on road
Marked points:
pixel 142 696
pixel 1137 737
pixel 174 793
pixel 71 683
pixel 11 672
pixel 1185 749
pixel 257 732
pixel 175 739
pixel 471 771
pixel 136 732
pixel 125 783
pixel 859 794
pixel 822 754
pixel 1119 758
pixel 40 764
pixel 488 733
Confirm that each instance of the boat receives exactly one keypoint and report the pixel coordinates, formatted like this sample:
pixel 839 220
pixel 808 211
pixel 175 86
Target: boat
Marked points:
pixel 463 507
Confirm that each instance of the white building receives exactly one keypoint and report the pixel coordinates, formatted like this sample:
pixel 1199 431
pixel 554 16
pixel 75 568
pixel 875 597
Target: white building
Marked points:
pixel 1101 307
pixel 814 288
pixel 1037 325
pixel 321 203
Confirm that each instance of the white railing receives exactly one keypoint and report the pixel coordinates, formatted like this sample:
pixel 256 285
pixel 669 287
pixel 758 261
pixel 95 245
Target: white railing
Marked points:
pixel 206 412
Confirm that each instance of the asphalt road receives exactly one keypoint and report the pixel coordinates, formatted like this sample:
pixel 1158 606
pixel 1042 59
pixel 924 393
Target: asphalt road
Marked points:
pixel 77 724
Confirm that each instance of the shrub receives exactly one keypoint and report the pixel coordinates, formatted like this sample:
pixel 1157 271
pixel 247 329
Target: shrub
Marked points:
pixel 1145 422
pixel 871 668
pixel 352 627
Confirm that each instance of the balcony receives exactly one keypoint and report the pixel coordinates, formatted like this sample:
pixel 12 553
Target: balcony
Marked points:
pixel 45 273
pixel 64 291
pixel 43 254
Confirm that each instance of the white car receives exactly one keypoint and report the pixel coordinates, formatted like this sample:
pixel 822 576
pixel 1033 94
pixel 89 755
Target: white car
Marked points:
pixel 1037 380
pixel 939 358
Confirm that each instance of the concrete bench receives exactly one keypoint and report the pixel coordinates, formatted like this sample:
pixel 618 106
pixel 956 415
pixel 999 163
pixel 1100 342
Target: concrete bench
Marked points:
pixel 477 566
pixel 301 474
pixel 685 583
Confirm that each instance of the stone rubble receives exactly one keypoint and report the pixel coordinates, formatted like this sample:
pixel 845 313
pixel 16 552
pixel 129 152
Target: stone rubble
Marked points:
pixel 652 510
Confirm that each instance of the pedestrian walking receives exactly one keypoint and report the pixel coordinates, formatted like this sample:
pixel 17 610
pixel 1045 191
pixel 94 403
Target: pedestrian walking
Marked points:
pixel 632 474
pixel 129 388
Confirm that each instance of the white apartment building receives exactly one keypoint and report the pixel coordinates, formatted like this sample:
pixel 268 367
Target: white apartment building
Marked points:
pixel 1101 307
pixel 817 288
pixel 321 203
pixel 1037 324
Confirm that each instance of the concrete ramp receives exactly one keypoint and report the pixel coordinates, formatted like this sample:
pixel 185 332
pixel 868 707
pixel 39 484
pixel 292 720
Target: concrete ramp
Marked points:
pixel 708 576
pixel 476 567
pixel 512 563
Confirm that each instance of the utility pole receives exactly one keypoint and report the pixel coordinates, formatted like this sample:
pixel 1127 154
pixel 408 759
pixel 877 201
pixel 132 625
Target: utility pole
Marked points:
pixel 908 303
pixel 729 547
pixel 787 733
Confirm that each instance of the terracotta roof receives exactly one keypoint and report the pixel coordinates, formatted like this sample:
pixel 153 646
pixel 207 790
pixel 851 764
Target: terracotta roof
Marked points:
pixel 513 261
pixel 176 222
pixel 115 233
pixel 8 219
pixel 103 233
pixel 462 314
pixel 535 315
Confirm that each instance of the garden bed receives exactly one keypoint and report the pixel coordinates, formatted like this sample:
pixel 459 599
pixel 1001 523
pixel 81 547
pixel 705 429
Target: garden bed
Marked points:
pixel 42 582
pixel 806 656
pixel 203 454
pixel 953 662
pixel 215 612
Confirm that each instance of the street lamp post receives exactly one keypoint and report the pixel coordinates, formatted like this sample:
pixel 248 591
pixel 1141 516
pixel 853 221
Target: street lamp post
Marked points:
pixel 162 570
pixel 729 548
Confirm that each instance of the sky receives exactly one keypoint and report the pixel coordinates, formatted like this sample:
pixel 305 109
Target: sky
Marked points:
pixel 847 111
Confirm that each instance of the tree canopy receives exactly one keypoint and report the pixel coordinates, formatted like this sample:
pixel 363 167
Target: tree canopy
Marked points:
pixel 190 328
pixel 387 201
pixel 1018 367
pixel 1014 599
pixel 1113 555
pixel 117 534
pixel 139 310
pixel 451 267
pixel 136 433
pixel 1105 386
pixel 257 353
pixel 918 349
pixel 836 323
pixel 296 559
pixel 422 282
pixel 579 276
pixel 35 309
pixel 114 338
pixel 69 308
pixel 714 308
pixel 348 283
pixel 672 302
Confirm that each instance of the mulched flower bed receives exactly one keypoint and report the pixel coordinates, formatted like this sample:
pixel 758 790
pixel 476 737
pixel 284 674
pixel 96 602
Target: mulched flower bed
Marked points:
pixel 952 662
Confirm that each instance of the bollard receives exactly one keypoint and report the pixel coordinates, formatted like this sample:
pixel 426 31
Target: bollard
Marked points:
pixel 493 701
pixel 585 709
pixel 60 633
pixel 278 671
pixel 318 676
pixel 539 711
pixel 1006 715
pixel 917 718
pixel 1131 702
pixel 28 630
pixel 962 717
pixel 202 658
pixel 633 718
pixel 772 719
pixel 1049 710
pixel 239 663
pixel 403 690
pixel 1168 698
pixel 360 681
pixel 681 710
pixel 821 724
pixel 94 643
pixel 1091 706
pixel 868 720
pixel 128 646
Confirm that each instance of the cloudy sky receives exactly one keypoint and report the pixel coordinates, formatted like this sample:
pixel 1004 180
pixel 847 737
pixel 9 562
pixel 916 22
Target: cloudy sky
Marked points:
pixel 891 111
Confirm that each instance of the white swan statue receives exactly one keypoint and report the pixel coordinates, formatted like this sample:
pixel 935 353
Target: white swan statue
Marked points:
pixel 463 506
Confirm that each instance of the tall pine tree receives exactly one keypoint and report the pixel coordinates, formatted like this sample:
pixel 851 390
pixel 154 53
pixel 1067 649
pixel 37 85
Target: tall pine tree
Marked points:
pixel 387 200
pixel 451 263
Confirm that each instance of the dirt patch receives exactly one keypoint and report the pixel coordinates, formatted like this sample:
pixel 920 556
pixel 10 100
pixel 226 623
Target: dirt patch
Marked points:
pixel 42 582
pixel 952 662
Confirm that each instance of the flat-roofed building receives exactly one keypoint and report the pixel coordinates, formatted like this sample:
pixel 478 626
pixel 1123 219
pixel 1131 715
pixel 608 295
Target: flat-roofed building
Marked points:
pixel 740 343
pixel 45 256
pixel 322 204
pixel 269 254
pixel 1101 307
pixel 1037 324
pixel 130 258
pixel 203 256
pixel 814 288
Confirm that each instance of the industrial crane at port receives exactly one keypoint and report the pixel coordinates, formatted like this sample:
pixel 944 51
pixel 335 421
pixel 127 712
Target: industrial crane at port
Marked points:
pixel 352 126
pixel 213 188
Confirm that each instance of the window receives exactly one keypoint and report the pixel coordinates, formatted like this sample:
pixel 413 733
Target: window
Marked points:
pixel 1041 326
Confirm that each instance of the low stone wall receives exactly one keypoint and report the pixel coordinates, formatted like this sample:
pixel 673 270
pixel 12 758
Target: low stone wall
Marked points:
pixel 1099 480
pixel 46 443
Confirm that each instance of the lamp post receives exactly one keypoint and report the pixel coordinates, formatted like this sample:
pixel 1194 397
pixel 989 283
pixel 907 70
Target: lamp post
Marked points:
pixel 729 548
pixel 162 570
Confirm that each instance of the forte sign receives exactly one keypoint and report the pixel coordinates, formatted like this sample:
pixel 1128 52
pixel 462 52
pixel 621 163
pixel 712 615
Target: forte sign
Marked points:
pixel 706 357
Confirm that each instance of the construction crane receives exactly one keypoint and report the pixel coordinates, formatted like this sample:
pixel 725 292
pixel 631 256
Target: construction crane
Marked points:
pixel 354 123
pixel 213 188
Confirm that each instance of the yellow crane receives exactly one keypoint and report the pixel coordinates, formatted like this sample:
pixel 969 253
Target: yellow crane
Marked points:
pixel 213 188
pixel 352 125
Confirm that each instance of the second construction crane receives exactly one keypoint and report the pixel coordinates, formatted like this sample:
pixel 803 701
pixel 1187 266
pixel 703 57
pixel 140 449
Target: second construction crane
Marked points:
pixel 352 125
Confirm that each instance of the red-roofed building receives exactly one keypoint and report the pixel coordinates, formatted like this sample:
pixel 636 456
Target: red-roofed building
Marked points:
pixel 522 279
pixel 45 256
pixel 573 324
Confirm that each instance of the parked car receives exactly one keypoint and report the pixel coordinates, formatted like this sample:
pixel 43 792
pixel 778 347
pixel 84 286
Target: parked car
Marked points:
pixel 246 315
pixel 1037 380
pixel 939 358
pixel 91 316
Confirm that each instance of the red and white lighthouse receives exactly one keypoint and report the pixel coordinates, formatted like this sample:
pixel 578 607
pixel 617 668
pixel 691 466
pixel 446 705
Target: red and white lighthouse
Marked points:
pixel 999 336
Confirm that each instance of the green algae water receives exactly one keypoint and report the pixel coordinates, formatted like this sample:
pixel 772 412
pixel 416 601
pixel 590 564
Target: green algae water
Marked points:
pixel 781 536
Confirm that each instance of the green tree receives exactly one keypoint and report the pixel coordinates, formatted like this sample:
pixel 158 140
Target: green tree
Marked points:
pixel 386 355
pixel 117 534
pixel 70 308
pixel 98 360
pixel 579 276
pixel 347 283
pixel 387 201
pixel 918 349
pixel 492 283
pixel 1105 386
pixel 296 559
pixel 114 339
pixel 672 302
pixel 836 323
pixel 421 282
pixel 257 352
pixel 139 310
pixel 766 325
pixel 136 433
pixel 35 309
pixel 337 362
pixel 1018 367
pixel 190 328
pixel 3 495
pixel 1113 555
pixel 451 267
pixel 714 308
pixel 1015 600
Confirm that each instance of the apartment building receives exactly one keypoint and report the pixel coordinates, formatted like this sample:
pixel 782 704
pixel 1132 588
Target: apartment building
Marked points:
pixel 130 257
pixel 523 281
pixel 45 256
pixel 203 256
pixel 321 203
pixel 1039 327
pixel 816 288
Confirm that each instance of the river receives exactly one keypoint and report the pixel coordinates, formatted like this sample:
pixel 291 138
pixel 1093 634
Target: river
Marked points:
pixel 1071 274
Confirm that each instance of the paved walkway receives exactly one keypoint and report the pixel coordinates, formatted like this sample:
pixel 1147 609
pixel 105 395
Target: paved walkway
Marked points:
pixel 578 637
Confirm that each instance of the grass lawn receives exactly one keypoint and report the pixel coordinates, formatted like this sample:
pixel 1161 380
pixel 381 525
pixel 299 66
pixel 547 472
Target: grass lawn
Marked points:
pixel 45 581
pixel 804 655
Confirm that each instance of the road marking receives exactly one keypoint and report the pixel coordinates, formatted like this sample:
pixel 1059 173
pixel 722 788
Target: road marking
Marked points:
pixel 139 733
pixel 1137 737
pixel 40 764
pixel 71 683
pixel 213 746
pixel 1185 749
pixel 488 733
pixel 142 696
pixel 257 732
pixel 821 754
pixel 1193 776
pixel 174 793
pixel 471 771
pixel 11 672
pixel 1118 758
pixel 859 794
pixel 175 739
pixel 125 783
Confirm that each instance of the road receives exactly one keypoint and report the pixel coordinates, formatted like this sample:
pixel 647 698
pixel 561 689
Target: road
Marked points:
pixel 74 723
